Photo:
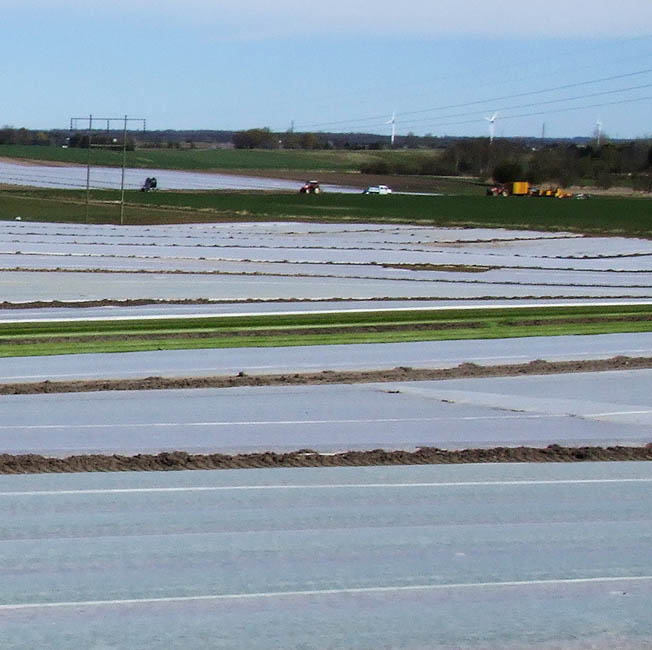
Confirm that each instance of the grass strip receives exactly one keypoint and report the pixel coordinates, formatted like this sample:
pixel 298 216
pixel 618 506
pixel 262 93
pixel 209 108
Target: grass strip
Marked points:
pixel 85 336
pixel 210 159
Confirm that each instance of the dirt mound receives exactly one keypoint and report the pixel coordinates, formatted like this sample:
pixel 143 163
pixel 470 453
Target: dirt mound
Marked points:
pixel 463 371
pixel 179 460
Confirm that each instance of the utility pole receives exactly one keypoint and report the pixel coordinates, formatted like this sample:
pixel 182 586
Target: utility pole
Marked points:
pixel 88 166
pixel 125 120
pixel 124 164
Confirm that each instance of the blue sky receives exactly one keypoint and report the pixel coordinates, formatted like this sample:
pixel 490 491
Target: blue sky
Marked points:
pixel 443 66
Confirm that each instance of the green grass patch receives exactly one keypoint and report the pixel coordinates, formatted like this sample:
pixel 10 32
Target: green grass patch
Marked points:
pixel 48 338
pixel 217 159
pixel 609 215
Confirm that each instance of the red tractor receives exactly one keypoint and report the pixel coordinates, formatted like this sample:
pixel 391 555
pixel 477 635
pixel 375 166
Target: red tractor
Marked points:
pixel 310 187
pixel 515 188
pixel 497 190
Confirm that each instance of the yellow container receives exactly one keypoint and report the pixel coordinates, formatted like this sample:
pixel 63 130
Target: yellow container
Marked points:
pixel 520 188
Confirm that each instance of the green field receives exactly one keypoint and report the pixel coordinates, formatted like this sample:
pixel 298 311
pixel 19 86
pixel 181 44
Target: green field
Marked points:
pixel 609 215
pixel 48 338
pixel 212 159
pixel 463 203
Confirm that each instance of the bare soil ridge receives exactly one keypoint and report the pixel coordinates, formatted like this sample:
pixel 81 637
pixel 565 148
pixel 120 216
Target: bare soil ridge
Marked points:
pixel 463 371
pixel 179 460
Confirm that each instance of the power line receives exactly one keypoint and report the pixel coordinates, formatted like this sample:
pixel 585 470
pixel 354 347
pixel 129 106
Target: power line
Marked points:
pixel 567 55
pixel 533 92
pixel 485 101
pixel 541 103
pixel 554 110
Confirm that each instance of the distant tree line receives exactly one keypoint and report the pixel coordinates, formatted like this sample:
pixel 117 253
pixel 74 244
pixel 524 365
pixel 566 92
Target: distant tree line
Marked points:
pixel 506 160
pixel 601 165
pixel 263 138
pixel 10 135
pixel 81 141
pixel 562 162
pixel 266 139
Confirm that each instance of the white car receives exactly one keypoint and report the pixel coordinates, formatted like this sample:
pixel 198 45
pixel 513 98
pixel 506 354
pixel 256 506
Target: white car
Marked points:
pixel 378 189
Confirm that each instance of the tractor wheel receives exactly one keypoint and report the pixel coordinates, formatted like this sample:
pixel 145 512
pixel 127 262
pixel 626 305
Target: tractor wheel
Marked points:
pixel 316 190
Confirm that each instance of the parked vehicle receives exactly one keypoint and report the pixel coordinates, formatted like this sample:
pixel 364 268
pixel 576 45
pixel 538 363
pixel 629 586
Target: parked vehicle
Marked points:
pixel 378 189
pixel 150 185
pixel 310 187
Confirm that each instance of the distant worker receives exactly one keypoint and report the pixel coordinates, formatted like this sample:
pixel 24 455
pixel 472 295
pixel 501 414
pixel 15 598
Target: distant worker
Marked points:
pixel 150 184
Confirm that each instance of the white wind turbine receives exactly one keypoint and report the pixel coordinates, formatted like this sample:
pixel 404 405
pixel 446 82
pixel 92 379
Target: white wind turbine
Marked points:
pixel 598 130
pixel 393 123
pixel 492 126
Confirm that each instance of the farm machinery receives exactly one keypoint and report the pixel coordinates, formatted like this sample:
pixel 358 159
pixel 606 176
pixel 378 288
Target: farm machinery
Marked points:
pixel 523 188
pixel 310 187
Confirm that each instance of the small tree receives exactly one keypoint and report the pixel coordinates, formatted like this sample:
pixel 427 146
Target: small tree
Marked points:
pixel 309 141
pixel 254 139
pixel 642 182
pixel 508 172
pixel 603 178
pixel 376 167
